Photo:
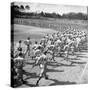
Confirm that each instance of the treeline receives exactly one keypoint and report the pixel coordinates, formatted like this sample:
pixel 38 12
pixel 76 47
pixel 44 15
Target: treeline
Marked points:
pixel 19 12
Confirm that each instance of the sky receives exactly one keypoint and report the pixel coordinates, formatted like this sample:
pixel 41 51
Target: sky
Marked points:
pixel 60 9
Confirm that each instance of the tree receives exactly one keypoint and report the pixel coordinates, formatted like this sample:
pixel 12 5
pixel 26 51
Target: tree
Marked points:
pixel 42 13
pixel 21 7
pixel 27 7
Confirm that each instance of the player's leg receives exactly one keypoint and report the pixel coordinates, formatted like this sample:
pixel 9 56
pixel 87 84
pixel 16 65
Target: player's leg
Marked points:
pixel 28 51
pixel 72 51
pixel 66 55
pixel 44 73
pixel 41 74
pixel 37 83
pixel 53 55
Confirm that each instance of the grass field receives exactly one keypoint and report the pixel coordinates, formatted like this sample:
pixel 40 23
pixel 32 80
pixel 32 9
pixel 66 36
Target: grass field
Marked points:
pixel 56 24
pixel 74 71
pixel 46 26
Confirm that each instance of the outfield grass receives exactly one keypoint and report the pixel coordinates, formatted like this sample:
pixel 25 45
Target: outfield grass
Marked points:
pixel 56 24
pixel 37 28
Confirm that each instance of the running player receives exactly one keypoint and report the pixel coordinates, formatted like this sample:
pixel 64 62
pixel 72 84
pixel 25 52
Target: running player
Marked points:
pixel 41 60
pixel 28 43
pixel 18 69
pixel 18 48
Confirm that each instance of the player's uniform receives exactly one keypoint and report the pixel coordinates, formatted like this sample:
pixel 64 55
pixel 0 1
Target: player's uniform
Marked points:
pixel 18 49
pixel 66 51
pixel 43 42
pixel 18 70
pixel 72 47
pixel 28 43
pixel 42 61
pixel 77 43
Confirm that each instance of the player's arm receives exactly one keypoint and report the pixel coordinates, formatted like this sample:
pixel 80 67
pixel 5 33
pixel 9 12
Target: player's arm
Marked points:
pixel 36 62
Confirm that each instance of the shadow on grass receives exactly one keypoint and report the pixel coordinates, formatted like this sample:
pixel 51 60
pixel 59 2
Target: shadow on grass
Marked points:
pixel 30 85
pixel 52 70
pixel 73 59
pixel 30 75
pixel 82 56
pixel 85 50
pixel 56 82
pixel 60 64
pixel 72 62
pixel 29 63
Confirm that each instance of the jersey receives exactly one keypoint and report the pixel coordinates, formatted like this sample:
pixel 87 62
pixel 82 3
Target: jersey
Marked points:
pixel 18 62
pixel 42 59
pixel 27 42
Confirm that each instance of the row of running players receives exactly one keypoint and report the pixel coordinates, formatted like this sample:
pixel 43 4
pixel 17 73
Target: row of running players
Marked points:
pixel 57 42
pixel 52 43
